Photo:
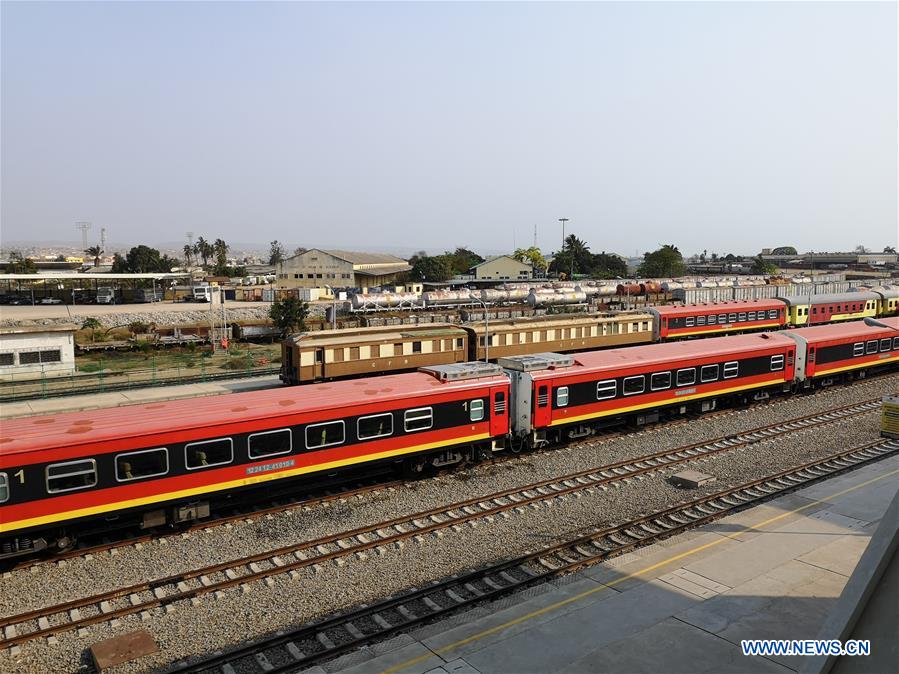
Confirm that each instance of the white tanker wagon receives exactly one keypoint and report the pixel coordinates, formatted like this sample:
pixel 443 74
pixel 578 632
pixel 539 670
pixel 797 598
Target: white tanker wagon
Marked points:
pixel 545 297
pixel 384 301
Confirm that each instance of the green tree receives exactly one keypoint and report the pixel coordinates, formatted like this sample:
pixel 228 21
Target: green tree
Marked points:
pixel 93 325
pixel 889 249
pixel 666 261
pixel 18 264
pixel 220 250
pixel 188 254
pixel 289 315
pixel 431 268
pixel 784 250
pixel 275 253
pixel 533 257
pixel 574 257
pixel 204 250
pixel 608 265
pixel 95 252
pixel 762 266
pixel 462 259
pixel 142 260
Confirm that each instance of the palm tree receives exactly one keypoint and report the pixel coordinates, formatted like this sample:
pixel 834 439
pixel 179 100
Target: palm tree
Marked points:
pixel 188 252
pixel 579 254
pixel 220 250
pixel 95 252
pixel 204 249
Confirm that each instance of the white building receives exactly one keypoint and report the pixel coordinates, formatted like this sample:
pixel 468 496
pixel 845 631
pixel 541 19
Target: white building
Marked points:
pixel 31 351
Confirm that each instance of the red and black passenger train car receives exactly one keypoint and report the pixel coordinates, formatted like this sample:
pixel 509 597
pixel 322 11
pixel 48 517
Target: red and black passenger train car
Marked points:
pixel 175 461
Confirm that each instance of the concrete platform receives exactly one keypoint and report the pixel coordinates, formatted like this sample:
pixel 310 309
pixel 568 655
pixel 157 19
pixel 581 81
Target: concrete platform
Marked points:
pixel 684 605
pixel 92 401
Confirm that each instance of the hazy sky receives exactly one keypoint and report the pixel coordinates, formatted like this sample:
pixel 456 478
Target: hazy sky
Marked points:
pixel 726 126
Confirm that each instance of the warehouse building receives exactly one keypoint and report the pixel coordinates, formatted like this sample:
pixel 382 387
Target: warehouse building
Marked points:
pixel 317 268
pixel 33 351
pixel 501 268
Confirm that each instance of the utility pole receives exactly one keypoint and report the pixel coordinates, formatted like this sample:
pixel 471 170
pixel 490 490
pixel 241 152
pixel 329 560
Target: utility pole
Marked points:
pixel 83 226
pixel 102 239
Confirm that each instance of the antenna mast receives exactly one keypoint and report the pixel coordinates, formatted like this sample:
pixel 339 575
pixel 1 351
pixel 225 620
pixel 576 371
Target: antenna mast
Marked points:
pixel 83 226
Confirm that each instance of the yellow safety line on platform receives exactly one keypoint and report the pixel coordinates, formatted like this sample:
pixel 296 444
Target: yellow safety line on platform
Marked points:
pixel 635 574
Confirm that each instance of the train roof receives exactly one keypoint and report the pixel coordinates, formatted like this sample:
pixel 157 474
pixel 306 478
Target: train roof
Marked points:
pixel 651 354
pixel 558 320
pixel 729 305
pixel 892 291
pixel 828 298
pixel 384 333
pixel 90 427
pixel 844 330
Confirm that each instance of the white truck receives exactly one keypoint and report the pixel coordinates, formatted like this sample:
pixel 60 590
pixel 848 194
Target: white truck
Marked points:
pixel 202 294
pixel 105 296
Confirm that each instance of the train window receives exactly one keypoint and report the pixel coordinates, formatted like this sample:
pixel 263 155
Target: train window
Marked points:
pixel 459 343
pixel 750 316
pixel 269 443
pixel 354 353
pixel 772 313
pixel 4 488
pixel 885 344
pixel 689 321
pixel 209 453
pixel 476 409
pixel 858 349
pixel 324 435
pixel 318 355
pixel 712 319
pixel 374 351
pixel 419 419
pixel 606 389
pixel 708 373
pixel 499 404
pixel 700 320
pixel 137 465
pixel 742 316
pixel 896 342
pixel 374 426
pixel 542 397
pixel 686 377
pixel 659 381
pixel 814 310
pixel 731 318
pixel 871 346
pixel 338 355
pixel 633 385
pixel 731 369
pixel 71 475
pixel 561 396
pixel 777 362
pixel 722 318
pixel 416 347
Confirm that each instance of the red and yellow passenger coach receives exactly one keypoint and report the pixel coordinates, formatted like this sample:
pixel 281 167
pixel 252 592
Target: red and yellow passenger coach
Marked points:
pixel 570 397
pixel 831 352
pixel 176 461
pixel 717 318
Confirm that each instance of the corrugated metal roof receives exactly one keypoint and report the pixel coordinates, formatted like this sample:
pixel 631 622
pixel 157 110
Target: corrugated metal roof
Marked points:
pixel 366 258
pixel 382 271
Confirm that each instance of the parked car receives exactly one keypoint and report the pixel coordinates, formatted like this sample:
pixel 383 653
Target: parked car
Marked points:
pixel 50 300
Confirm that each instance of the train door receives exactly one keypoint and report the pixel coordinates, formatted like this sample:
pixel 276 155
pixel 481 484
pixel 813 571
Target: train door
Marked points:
pixel 542 408
pixel 499 420
pixel 318 365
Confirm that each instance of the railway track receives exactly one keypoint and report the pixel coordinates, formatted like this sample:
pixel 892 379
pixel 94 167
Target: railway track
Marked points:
pixel 298 649
pixel 363 541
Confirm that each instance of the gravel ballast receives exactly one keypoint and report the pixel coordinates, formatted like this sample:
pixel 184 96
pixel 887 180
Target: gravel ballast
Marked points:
pixel 216 623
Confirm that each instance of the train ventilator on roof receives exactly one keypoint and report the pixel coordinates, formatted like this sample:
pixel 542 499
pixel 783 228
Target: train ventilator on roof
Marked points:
pixel 536 361
pixel 889 417
pixel 460 371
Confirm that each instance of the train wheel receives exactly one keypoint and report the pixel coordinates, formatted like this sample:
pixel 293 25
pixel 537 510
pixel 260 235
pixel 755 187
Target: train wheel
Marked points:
pixel 65 543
